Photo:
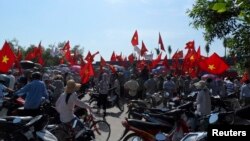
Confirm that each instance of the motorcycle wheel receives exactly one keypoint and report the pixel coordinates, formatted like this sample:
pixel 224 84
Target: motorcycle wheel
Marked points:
pixel 133 137
pixel 93 105
pixel 101 130
pixel 17 136
pixel 60 134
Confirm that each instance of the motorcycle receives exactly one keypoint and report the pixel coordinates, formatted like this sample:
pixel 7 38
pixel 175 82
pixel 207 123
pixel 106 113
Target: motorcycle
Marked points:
pixel 113 100
pixel 15 128
pixel 148 130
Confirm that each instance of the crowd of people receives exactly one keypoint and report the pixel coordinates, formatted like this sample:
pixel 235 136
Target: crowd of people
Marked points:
pixel 61 89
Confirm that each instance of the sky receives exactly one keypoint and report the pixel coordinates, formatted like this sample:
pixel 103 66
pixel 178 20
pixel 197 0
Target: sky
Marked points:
pixel 101 25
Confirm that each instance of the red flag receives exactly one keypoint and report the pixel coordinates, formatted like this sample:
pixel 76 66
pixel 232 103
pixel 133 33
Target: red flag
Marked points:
pixel 113 57
pixel 19 55
pixel 143 49
pixel 39 53
pixel 66 46
pixel 112 68
pixel 156 61
pixel 119 58
pixel 88 57
pixel 7 58
pixel 161 43
pixel 61 61
pixel 198 55
pixel 165 62
pixel 31 55
pixel 214 64
pixel 189 64
pixel 190 45
pixel 82 62
pixel 131 58
pixel 86 72
pixel 102 62
pixel 41 61
pixel 135 40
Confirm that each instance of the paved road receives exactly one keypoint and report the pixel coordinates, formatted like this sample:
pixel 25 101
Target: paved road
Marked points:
pixel 114 118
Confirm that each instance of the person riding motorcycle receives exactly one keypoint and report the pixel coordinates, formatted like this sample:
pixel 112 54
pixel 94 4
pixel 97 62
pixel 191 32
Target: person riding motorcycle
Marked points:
pixel 33 92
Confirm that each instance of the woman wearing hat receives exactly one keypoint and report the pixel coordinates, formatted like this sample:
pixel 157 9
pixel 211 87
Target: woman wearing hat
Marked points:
pixel 68 100
pixel 203 100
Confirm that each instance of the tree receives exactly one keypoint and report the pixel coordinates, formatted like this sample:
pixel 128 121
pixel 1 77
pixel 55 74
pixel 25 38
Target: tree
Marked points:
pixel 224 18
pixel 207 49
pixel 169 51
pixel 225 46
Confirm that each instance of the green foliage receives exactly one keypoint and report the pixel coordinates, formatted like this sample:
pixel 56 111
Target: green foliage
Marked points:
pixel 228 20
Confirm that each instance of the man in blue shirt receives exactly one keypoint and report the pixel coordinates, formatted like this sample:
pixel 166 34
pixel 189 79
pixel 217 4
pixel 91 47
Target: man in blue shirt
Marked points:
pixel 33 92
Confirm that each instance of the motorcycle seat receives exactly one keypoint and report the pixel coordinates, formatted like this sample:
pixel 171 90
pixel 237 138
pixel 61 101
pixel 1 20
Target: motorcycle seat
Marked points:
pixel 22 118
pixel 175 112
pixel 149 126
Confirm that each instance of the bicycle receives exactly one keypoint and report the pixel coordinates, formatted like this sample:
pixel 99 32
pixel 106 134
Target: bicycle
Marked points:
pixel 94 130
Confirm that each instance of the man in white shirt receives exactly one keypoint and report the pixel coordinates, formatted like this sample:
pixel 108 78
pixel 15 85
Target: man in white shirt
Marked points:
pixel 132 86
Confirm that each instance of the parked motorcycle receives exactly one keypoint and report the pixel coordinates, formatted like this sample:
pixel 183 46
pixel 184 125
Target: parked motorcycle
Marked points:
pixel 113 100
pixel 147 130
pixel 25 129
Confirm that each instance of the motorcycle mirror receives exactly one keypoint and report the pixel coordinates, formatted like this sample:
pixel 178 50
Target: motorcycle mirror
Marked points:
pixel 160 137
pixel 213 118
pixel 16 120
pixel 166 94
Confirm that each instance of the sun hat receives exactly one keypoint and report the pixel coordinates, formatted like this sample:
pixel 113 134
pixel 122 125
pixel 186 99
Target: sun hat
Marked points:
pixel 200 84
pixel 72 86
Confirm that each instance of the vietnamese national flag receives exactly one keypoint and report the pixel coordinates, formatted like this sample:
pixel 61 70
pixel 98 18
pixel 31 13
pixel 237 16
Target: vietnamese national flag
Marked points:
pixel 214 64
pixel 160 42
pixel 113 57
pixel 135 40
pixel 190 45
pixel 31 55
pixel 131 58
pixel 165 62
pixel 102 62
pixel 156 61
pixel 86 72
pixel 88 57
pixel 66 46
pixel 7 58
pixel 143 49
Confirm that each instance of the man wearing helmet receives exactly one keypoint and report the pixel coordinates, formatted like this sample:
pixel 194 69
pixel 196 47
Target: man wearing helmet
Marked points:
pixel 33 92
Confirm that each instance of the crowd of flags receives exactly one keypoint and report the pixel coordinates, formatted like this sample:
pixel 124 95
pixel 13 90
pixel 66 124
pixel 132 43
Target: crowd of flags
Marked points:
pixel 192 62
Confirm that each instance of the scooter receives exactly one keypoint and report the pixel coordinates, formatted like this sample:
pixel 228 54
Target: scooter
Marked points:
pixel 27 128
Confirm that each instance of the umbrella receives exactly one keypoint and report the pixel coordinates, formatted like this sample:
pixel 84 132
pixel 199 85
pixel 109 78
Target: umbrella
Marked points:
pixel 206 76
pixel 25 64
pixel 75 68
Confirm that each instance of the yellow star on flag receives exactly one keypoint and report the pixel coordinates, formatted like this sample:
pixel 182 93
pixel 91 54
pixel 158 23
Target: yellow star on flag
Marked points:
pixel 5 59
pixel 211 67
pixel 192 57
pixel 86 72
